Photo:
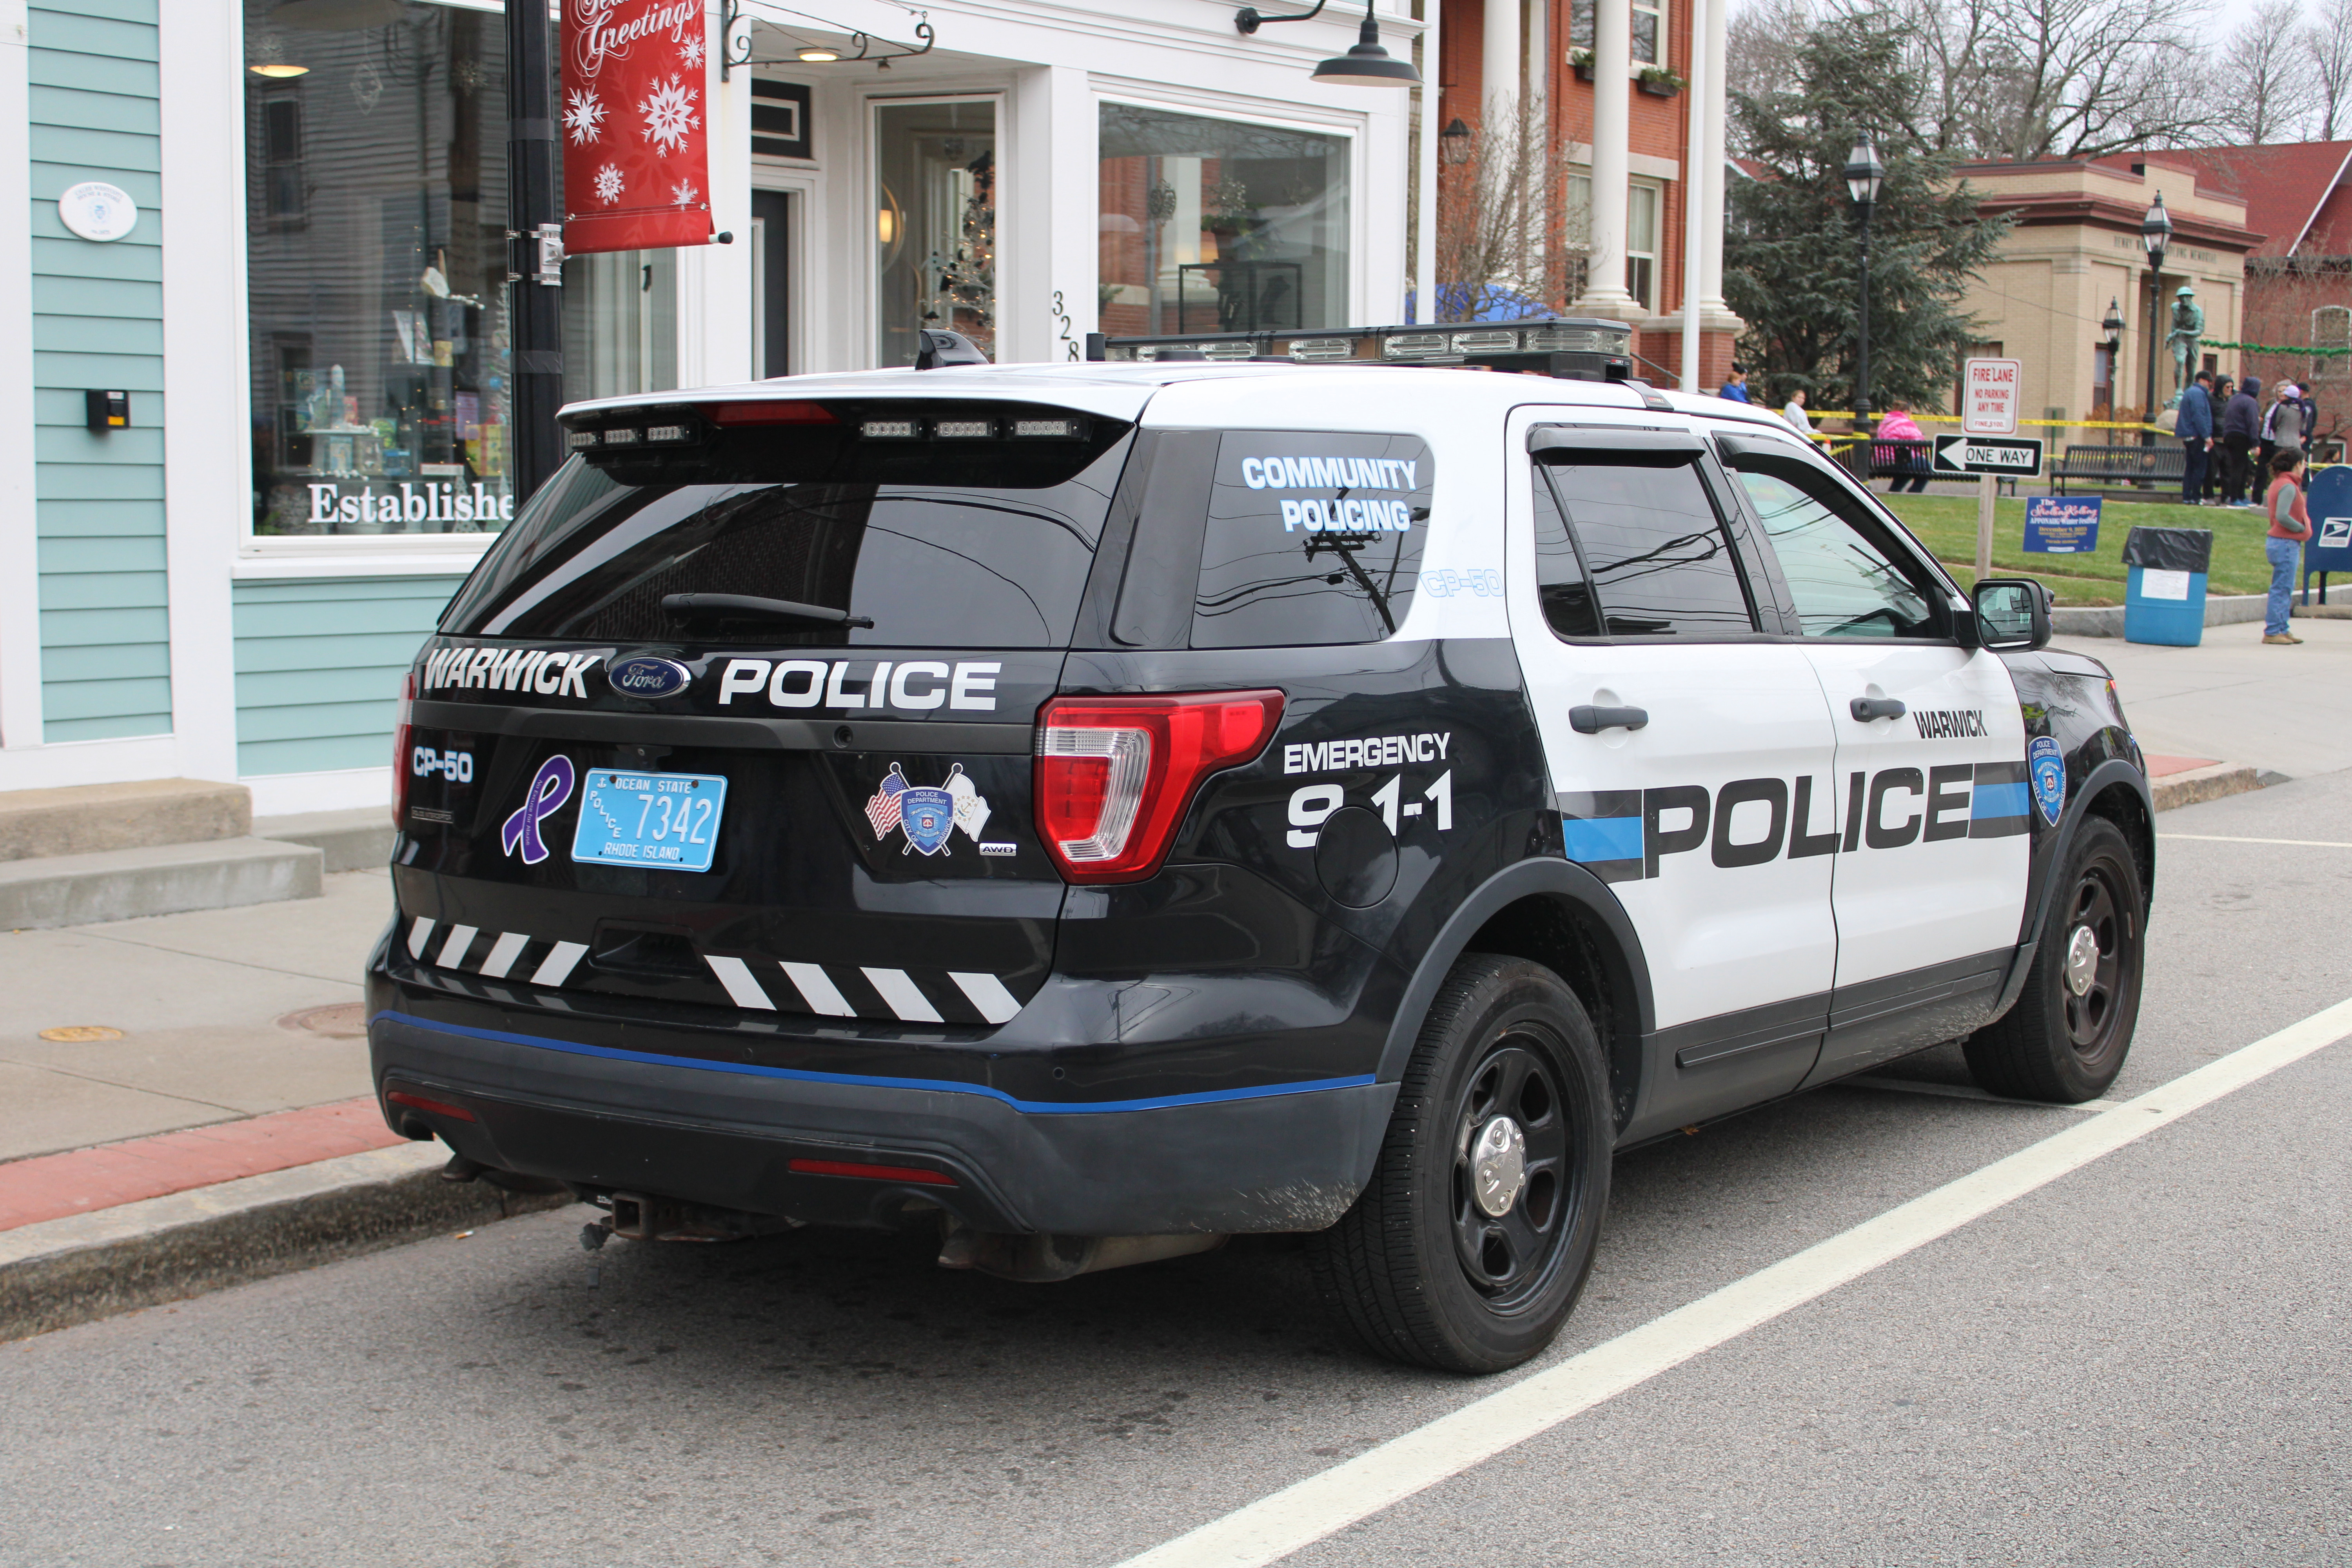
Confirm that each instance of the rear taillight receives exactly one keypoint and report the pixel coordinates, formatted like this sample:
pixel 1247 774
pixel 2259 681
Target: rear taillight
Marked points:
pixel 400 748
pixel 1116 774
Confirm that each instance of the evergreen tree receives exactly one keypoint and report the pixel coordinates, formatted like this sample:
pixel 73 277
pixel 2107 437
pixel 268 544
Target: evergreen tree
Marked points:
pixel 1792 258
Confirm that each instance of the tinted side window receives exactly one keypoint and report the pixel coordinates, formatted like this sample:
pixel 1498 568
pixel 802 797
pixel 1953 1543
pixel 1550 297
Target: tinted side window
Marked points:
pixel 1311 538
pixel 1659 560
pixel 1843 582
pixel 1562 584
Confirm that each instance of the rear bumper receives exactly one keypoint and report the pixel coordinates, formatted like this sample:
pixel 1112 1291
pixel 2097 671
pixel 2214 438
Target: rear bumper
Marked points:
pixel 729 1135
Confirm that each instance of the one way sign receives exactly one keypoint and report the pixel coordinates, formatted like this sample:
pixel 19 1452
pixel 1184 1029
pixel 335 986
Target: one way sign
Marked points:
pixel 2018 455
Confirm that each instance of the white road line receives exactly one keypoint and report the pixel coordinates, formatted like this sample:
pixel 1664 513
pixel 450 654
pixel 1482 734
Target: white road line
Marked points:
pixel 1965 1091
pixel 817 989
pixel 2227 838
pixel 1299 1515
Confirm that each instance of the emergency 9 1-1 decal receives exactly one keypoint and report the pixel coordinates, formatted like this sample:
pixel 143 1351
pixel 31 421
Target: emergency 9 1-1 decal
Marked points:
pixel 1623 836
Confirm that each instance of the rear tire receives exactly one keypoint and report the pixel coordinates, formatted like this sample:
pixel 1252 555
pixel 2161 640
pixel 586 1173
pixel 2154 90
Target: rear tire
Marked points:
pixel 2066 1038
pixel 1504 1105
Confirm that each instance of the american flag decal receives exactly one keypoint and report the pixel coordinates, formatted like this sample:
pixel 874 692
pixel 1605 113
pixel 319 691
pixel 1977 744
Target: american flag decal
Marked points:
pixel 882 810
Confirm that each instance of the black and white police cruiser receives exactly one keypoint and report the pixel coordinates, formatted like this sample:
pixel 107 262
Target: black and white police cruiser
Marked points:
pixel 1102 808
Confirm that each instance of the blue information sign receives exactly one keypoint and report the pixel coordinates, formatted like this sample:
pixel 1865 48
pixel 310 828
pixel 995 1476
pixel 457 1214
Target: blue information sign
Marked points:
pixel 2061 525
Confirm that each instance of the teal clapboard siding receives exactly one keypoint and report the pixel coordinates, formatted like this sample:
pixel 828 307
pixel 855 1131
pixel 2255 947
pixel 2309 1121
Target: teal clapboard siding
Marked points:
pixel 319 662
pixel 98 322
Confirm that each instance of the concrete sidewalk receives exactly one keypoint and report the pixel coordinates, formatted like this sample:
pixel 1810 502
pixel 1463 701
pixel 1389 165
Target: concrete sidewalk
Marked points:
pixel 2281 710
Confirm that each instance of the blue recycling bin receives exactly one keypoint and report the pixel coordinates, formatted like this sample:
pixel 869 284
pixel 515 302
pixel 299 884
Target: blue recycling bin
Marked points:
pixel 2164 584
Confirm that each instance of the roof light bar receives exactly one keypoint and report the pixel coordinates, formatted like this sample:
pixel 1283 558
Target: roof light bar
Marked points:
pixel 1578 348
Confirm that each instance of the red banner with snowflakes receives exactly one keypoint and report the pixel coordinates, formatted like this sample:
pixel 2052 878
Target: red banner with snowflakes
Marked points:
pixel 636 162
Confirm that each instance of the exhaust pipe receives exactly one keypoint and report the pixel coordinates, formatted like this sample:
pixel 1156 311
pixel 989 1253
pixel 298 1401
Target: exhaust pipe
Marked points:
pixel 1049 1259
pixel 642 1218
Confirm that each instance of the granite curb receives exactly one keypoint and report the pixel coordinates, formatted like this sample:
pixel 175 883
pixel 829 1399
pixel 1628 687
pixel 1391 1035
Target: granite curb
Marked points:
pixel 61 1272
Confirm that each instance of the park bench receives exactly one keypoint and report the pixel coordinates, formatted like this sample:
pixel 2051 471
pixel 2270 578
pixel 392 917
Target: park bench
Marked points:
pixel 2165 463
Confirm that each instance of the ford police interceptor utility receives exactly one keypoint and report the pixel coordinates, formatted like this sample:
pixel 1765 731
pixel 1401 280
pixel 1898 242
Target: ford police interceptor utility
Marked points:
pixel 1101 808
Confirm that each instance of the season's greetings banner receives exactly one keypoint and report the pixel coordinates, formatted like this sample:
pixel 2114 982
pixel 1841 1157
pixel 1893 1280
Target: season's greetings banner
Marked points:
pixel 636 164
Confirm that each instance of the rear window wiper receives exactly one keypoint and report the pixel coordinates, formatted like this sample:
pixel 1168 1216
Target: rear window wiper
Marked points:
pixel 750 607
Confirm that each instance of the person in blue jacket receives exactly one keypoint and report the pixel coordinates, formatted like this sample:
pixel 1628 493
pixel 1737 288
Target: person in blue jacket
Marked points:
pixel 2242 427
pixel 2195 427
pixel 1736 388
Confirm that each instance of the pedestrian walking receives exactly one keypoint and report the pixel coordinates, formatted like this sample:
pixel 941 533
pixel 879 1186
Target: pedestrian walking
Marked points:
pixel 2242 425
pixel 1736 389
pixel 1910 462
pixel 2194 427
pixel 1794 413
pixel 2290 526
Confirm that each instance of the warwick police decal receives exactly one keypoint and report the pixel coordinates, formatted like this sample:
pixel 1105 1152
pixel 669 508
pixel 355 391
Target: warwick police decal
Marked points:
pixel 927 816
pixel 2048 765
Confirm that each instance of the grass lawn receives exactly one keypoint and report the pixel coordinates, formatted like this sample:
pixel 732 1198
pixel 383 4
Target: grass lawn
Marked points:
pixel 1947 525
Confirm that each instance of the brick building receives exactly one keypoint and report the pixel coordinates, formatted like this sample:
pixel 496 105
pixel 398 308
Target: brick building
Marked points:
pixel 1633 93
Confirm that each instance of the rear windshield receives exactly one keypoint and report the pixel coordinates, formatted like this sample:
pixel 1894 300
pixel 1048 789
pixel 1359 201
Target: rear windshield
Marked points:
pixel 939 545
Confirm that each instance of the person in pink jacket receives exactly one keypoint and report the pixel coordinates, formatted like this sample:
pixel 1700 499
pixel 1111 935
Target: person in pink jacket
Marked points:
pixel 1911 464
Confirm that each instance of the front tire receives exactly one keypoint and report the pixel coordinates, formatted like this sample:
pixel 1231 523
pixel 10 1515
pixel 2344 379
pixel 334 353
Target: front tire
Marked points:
pixel 2066 1038
pixel 1470 1245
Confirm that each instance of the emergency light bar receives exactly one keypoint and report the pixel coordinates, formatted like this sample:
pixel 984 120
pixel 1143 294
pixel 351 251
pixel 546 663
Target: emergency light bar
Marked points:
pixel 1575 348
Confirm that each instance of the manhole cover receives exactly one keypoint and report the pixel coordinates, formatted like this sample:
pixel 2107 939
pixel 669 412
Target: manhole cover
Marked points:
pixel 71 1032
pixel 338 1021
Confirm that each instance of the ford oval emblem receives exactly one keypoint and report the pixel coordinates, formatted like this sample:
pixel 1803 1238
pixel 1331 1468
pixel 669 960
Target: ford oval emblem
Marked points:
pixel 646 676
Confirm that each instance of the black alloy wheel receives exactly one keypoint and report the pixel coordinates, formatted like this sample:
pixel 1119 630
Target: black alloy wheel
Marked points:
pixel 2066 1038
pixel 1468 1247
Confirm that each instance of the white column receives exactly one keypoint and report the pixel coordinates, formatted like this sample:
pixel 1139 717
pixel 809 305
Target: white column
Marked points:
pixel 1700 180
pixel 1709 106
pixel 1504 54
pixel 1612 112
pixel 1424 250
pixel 1045 217
pixel 207 450
pixel 20 571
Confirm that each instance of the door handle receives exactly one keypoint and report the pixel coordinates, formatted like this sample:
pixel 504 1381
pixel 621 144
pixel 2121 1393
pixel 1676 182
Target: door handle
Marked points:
pixel 1868 707
pixel 1592 720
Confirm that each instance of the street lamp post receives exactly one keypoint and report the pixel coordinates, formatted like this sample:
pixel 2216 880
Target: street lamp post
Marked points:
pixel 2113 326
pixel 2155 233
pixel 1865 174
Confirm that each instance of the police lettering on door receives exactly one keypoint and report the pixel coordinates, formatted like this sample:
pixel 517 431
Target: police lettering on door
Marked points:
pixel 1623 836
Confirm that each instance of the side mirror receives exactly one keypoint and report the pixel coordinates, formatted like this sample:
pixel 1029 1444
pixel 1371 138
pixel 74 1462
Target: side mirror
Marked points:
pixel 2012 614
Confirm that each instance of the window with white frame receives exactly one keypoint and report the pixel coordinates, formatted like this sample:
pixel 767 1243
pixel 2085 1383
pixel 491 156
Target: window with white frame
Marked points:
pixel 1642 227
pixel 1649 30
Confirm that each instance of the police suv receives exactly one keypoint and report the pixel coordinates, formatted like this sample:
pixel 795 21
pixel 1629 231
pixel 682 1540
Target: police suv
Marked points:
pixel 1102 808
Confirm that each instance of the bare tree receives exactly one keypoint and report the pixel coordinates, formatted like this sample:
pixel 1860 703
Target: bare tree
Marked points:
pixel 1508 226
pixel 2328 46
pixel 1762 42
pixel 2030 79
pixel 2263 89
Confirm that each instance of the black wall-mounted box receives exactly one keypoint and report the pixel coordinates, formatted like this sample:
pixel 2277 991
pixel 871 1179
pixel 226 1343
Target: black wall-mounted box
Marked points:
pixel 108 411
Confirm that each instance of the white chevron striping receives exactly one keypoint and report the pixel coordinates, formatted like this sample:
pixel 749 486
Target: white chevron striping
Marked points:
pixel 988 994
pixel 905 998
pixel 418 934
pixel 453 951
pixel 736 975
pixel 503 954
pixel 818 989
pixel 556 967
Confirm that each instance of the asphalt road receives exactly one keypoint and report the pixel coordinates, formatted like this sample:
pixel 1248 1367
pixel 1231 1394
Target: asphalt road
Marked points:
pixel 2142 1362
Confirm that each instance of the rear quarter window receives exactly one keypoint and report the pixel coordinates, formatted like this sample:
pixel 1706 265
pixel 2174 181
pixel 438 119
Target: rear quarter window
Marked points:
pixel 1313 537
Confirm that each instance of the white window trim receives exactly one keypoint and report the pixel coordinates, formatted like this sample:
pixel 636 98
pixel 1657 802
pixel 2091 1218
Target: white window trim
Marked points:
pixel 1209 105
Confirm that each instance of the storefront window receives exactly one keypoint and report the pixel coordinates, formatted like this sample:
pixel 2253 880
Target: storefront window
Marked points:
pixel 375 223
pixel 620 324
pixel 1217 225
pixel 935 224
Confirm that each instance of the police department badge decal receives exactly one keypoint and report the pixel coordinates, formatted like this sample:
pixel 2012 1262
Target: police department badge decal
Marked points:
pixel 927 816
pixel 2047 766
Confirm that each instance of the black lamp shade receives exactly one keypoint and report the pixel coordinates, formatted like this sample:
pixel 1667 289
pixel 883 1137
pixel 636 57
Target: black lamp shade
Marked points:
pixel 1865 174
pixel 1368 64
pixel 2156 229
pixel 2114 324
pixel 1453 142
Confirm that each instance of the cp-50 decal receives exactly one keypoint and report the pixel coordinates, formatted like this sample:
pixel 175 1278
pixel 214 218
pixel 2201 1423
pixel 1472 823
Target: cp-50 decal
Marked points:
pixel 458 767
pixel 1620 836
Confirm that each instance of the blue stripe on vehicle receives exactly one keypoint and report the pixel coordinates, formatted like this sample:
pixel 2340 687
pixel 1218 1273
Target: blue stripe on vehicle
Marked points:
pixel 1999 800
pixel 939 1085
pixel 1606 838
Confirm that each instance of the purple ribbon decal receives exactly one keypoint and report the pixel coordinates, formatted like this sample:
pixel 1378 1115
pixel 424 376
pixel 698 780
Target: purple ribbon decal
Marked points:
pixel 549 790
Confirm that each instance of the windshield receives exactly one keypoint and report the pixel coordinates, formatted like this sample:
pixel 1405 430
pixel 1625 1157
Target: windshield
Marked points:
pixel 964 558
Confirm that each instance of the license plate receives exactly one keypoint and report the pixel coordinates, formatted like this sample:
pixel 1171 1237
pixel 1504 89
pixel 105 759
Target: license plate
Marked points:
pixel 669 820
